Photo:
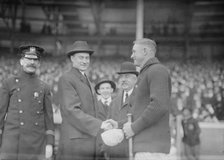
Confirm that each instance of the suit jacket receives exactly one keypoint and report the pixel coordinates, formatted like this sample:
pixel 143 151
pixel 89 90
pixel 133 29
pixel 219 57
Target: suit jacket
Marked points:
pixel 26 117
pixel 103 110
pixel 78 105
pixel 118 110
pixel 79 123
pixel 151 107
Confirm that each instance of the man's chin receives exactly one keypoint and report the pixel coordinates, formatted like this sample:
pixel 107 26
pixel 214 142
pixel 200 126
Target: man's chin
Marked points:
pixel 83 68
pixel 30 71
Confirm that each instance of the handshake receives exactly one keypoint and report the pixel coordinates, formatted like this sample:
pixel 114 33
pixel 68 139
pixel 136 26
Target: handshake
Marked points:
pixel 112 124
pixel 111 136
pixel 109 124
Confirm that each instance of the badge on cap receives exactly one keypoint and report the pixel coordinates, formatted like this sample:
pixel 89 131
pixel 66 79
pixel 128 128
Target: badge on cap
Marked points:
pixel 36 94
pixel 32 49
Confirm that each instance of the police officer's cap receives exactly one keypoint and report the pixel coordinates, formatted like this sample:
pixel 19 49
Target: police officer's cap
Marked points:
pixel 31 51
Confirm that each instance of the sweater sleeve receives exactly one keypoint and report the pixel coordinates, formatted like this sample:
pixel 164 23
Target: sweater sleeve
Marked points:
pixel 159 100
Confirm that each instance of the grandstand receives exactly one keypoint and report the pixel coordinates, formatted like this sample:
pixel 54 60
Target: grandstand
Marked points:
pixel 189 33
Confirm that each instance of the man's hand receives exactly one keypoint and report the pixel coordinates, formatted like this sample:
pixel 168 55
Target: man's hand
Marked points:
pixel 113 123
pixel 128 130
pixel 48 151
pixel 109 124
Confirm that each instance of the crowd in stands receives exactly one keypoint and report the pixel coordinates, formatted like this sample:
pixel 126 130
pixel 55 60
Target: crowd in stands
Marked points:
pixel 198 86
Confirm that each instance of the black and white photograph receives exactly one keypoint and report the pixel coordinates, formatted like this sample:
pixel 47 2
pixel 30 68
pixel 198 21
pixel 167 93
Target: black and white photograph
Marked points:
pixel 111 80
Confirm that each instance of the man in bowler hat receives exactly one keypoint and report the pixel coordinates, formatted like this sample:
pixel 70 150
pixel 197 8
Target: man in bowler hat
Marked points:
pixel 120 107
pixel 80 125
pixel 150 104
pixel 26 116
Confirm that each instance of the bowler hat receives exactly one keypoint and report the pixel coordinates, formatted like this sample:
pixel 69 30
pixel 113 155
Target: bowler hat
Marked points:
pixel 31 51
pixel 104 80
pixel 128 67
pixel 80 46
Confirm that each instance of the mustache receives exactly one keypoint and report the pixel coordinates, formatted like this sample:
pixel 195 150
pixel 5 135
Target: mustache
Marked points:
pixel 123 82
pixel 32 66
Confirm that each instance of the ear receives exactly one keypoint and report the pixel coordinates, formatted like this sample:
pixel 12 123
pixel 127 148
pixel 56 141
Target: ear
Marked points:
pixel 99 91
pixel 72 57
pixel 111 90
pixel 38 64
pixel 145 52
pixel 21 61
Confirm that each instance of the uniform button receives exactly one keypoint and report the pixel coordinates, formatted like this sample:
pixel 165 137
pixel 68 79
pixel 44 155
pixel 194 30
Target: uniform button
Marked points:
pixel 19 100
pixel 21 123
pixel 17 80
pixel 18 89
pixel 36 124
pixel 39 101
pixel 20 111
pixel 38 112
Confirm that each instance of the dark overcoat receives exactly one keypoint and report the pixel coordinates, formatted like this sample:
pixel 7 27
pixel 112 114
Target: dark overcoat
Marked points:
pixel 79 126
pixel 26 118
pixel 118 111
pixel 151 107
pixel 103 110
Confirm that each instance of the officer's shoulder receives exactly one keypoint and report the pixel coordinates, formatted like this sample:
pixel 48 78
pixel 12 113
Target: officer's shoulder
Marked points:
pixel 12 79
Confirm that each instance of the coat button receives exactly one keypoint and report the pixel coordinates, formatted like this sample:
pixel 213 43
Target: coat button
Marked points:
pixel 19 100
pixel 17 80
pixel 39 101
pixel 38 112
pixel 20 111
pixel 21 123
pixel 36 124
pixel 18 89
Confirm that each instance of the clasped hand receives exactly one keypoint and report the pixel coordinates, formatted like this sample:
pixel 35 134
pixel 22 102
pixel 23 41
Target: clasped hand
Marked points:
pixel 109 124
pixel 128 130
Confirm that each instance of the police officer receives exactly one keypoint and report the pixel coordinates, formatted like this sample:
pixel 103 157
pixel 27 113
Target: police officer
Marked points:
pixel 26 117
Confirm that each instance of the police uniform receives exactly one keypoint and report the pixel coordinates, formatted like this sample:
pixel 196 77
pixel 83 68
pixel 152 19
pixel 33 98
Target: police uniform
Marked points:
pixel 26 116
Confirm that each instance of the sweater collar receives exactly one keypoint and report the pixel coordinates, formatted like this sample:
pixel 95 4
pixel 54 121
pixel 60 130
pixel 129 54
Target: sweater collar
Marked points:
pixel 151 61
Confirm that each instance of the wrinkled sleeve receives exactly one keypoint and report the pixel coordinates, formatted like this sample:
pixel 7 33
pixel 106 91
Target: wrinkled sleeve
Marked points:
pixel 49 123
pixel 159 101
pixel 4 103
pixel 72 109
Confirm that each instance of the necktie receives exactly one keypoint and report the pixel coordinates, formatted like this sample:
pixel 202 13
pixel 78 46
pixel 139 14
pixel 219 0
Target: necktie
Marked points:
pixel 106 102
pixel 87 81
pixel 126 97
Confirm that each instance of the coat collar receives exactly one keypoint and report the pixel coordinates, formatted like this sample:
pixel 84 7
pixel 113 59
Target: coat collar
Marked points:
pixel 81 77
pixel 123 104
pixel 78 74
pixel 151 61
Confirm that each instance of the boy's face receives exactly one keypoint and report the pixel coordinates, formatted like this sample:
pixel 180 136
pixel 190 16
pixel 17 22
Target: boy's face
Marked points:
pixel 105 90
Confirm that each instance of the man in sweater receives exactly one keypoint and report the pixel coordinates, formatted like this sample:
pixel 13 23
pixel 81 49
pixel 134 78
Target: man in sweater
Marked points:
pixel 150 104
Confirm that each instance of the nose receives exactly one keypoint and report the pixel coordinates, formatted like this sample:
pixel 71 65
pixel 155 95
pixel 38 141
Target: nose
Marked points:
pixel 132 55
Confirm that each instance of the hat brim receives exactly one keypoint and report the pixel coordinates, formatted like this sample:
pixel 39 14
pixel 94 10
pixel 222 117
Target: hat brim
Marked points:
pixel 72 52
pixel 113 85
pixel 128 72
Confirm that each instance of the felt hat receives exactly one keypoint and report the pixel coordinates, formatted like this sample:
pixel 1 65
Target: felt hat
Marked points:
pixel 104 80
pixel 80 46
